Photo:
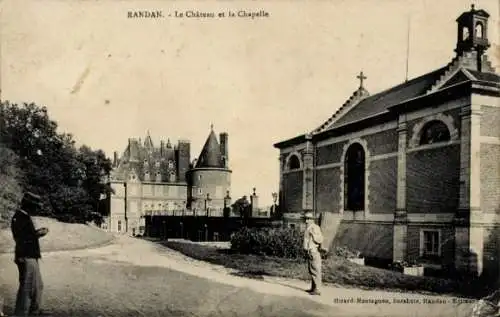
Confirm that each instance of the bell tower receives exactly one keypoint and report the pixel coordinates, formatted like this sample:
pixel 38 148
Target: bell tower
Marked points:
pixel 472 32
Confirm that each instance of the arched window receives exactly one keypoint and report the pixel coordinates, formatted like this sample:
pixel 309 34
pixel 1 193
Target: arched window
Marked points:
pixel 172 177
pixel 293 162
pixel 479 30
pixel 119 225
pixel 354 178
pixel 465 33
pixel 434 132
pixel 146 175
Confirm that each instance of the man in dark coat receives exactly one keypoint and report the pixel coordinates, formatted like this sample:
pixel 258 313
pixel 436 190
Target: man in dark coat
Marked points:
pixel 27 255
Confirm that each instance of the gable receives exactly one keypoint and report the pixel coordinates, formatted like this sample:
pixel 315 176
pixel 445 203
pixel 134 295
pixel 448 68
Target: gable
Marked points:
pixel 459 77
pixel 379 103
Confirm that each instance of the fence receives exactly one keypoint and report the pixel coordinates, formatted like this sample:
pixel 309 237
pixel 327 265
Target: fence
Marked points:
pixel 200 228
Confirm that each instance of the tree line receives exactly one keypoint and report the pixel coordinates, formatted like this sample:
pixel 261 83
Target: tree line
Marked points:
pixel 35 156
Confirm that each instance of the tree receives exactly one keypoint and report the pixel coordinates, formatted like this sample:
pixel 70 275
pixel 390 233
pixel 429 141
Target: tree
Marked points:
pixel 70 181
pixel 242 207
pixel 10 189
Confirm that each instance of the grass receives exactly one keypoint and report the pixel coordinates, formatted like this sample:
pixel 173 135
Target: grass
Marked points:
pixel 61 236
pixel 336 270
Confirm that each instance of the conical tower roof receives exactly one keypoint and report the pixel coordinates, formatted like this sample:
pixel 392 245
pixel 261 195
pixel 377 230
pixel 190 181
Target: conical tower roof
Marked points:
pixel 148 142
pixel 210 155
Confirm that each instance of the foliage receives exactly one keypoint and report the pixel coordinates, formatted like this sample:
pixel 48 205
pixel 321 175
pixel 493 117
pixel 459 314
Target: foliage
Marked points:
pixel 10 189
pixel 69 180
pixel 346 253
pixel 279 242
pixel 242 207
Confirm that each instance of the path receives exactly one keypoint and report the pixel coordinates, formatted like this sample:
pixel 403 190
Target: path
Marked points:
pixel 133 277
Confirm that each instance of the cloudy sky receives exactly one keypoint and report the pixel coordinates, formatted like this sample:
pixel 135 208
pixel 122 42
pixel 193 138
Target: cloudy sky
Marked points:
pixel 106 78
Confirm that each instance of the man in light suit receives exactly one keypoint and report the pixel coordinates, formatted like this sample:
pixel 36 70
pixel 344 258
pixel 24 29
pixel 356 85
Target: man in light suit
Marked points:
pixel 312 241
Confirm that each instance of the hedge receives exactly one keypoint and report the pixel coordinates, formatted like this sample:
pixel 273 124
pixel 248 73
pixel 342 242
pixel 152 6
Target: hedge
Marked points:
pixel 279 242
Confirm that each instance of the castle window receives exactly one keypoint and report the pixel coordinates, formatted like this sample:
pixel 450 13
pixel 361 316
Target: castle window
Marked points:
pixel 293 162
pixel 479 30
pixel 146 176
pixel 157 164
pixel 354 178
pixel 200 191
pixel 119 225
pixel 170 164
pixel 172 177
pixel 434 132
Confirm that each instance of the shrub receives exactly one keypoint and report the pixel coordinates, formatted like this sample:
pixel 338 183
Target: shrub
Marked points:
pixel 346 253
pixel 278 242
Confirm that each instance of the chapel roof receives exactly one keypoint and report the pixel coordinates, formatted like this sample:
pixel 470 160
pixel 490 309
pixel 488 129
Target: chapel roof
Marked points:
pixel 380 102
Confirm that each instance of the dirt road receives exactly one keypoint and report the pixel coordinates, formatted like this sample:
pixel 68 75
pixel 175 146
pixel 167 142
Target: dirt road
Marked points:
pixel 138 278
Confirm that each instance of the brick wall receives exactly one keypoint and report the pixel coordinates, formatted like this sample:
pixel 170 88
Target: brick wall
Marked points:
pixel 433 177
pixel 489 121
pixel 382 142
pixel 328 190
pixel 491 252
pixel 292 190
pixel 490 178
pixel 383 185
pixel 373 240
pixel 329 153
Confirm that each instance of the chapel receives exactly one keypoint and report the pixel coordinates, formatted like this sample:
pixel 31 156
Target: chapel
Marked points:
pixel 410 173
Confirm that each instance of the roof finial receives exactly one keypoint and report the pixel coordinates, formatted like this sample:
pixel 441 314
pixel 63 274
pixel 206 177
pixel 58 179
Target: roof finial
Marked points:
pixel 211 126
pixel 361 78
pixel 472 7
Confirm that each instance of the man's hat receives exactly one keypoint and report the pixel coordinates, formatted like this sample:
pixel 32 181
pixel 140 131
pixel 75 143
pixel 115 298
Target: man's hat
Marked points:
pixel 308 215
pixel 31 198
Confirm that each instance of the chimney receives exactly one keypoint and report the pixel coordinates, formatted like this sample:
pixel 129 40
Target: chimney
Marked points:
pixel 115 158
pixel 224 149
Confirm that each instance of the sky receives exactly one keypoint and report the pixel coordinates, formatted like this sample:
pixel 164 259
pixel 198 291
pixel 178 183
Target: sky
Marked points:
pixel 105 77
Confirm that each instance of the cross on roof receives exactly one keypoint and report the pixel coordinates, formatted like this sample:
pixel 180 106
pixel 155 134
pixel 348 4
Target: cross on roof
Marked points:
pixel 361 78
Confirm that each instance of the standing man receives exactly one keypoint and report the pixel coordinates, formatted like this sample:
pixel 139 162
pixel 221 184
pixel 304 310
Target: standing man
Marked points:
pixel 312 241
pixel 27 255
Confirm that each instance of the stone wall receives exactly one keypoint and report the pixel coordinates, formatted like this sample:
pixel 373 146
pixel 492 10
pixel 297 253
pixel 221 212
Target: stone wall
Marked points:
pixel 489 121
pixel 490 178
